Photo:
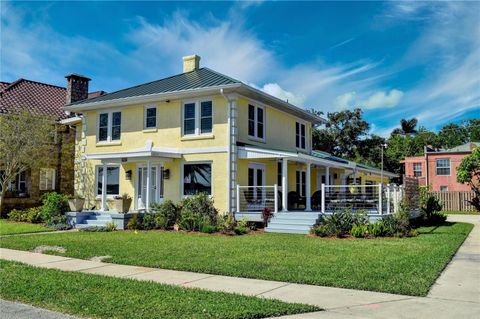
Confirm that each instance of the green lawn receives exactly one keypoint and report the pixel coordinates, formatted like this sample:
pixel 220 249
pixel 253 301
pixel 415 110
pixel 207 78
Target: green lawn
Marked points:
pixel 8 227
pixel 460 213
pixel 397 265
pixel 96 296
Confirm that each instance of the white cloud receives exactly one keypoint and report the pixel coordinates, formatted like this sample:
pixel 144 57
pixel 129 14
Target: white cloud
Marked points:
pixel 277 91
pixel 345 101
pixel 382 99
pixel 377 100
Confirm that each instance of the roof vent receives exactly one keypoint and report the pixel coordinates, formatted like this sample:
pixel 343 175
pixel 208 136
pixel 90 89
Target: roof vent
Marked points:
pixel 191 63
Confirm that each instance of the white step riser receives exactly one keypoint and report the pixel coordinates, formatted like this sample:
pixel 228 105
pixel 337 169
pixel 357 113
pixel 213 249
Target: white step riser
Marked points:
pixel 287 231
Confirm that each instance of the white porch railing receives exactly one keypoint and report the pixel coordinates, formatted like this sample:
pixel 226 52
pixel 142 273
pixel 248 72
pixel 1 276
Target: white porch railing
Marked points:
pixel 256 198
pixel 375 199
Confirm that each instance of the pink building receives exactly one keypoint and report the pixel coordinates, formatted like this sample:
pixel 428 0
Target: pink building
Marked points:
pixel 438 168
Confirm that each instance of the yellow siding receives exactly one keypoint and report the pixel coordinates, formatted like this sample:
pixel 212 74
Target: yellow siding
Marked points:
pixel 169 128
pixel 279 128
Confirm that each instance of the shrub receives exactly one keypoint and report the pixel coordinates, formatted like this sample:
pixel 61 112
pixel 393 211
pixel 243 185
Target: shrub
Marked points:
pixel 190 221
pixel 341 222
pixel 376 229
pixel 266 215
pixel 437 218
pixel 135 222
pixel 200 205
pixel 30 215
pixel 209 229
pixel 54 208
pixel 166 214
pixel 323 230
pixel 359 231
pixel 241 230
pixel 227 223
pixel 111 226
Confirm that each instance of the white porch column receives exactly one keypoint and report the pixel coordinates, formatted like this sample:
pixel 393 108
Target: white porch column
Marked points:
pixel 285 185
pixel 327 177
pixel 308 190
pixel 149 185
pixel 104 188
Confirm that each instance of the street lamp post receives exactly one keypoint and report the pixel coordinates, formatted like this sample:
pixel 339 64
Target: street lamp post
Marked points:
pixel 381 176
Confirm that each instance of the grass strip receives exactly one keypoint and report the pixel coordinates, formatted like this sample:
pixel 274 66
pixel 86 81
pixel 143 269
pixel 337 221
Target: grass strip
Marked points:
pixel 97 296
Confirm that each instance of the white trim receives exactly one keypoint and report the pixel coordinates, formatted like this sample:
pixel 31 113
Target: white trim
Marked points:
pixel 145 108
pixel 198 116
pixel 71 120
pixel 210 162
pixel 156 152
pixel 255 122
pixel 96 179
pixel 109 139
pixel 299 140
pixel 449 166
pixel 45 187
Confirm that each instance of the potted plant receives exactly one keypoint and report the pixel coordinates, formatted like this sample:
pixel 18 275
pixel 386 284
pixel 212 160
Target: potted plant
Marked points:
pixel 76 203
pixel 122 203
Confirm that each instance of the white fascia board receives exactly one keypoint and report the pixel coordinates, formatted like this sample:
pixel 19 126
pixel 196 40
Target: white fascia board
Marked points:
pixel 324 162
pixel 144 99
pixel 71 120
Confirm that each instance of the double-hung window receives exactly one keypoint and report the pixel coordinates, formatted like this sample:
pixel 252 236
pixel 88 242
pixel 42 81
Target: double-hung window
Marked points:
pixel 417 169
pixel 113 184
pixel 47 179
pixel 300 133
pixel 109 126
pixel 443 166
pixel 197 178
pixel 197 117
pixel 256 122
pixel 150 117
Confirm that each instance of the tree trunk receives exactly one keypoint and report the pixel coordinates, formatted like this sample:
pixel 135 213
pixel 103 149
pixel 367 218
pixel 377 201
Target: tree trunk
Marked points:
pixel 2 196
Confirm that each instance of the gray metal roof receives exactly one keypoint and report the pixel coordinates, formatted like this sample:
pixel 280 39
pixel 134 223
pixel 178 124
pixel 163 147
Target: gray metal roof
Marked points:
pixel 201 78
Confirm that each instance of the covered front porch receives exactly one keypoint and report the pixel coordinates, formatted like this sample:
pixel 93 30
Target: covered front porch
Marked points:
pixel 318 183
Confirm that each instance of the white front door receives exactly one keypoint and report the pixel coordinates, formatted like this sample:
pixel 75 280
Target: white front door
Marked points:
pixel 142 186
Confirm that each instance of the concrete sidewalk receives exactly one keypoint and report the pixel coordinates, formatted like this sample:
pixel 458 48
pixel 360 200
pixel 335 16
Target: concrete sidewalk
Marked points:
pixel 456 293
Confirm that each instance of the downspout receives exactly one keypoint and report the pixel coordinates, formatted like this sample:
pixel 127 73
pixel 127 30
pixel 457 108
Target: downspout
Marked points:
pixel 426 165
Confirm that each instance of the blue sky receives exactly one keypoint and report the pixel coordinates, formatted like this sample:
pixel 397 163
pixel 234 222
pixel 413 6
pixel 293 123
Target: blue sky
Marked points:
pixel 393 59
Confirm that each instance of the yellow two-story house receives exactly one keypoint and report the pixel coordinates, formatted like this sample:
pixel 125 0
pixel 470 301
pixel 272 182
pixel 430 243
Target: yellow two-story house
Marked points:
pixel 202 131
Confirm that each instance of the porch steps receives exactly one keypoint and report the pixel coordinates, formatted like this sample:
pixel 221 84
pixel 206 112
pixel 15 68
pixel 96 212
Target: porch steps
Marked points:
pixel 95 220
pixel 292 222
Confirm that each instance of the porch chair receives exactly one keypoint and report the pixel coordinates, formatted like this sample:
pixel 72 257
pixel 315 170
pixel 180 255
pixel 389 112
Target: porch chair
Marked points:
pixel 317 199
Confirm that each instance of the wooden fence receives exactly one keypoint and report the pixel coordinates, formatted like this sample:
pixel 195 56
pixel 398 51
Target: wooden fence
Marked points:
pixel 455 201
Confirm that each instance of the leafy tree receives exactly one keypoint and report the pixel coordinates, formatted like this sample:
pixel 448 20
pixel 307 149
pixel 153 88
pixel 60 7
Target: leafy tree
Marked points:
pixel 469 172
pixel 26 142
pixel 452 135
pixel 341 133
pixel 473 128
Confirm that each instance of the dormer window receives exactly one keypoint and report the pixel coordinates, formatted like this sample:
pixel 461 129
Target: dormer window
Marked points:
pixel 109 126
pixel 197 117
pixel 300 139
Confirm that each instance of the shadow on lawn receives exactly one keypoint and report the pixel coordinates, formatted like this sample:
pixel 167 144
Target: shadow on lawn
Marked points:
pixel 430 229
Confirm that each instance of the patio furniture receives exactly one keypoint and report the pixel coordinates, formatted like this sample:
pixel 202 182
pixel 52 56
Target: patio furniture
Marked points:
pixel 293 199
pixel 317 199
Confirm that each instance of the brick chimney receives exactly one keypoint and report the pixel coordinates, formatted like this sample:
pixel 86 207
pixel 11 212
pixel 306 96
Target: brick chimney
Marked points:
pixel 191 63
pixel 77 88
